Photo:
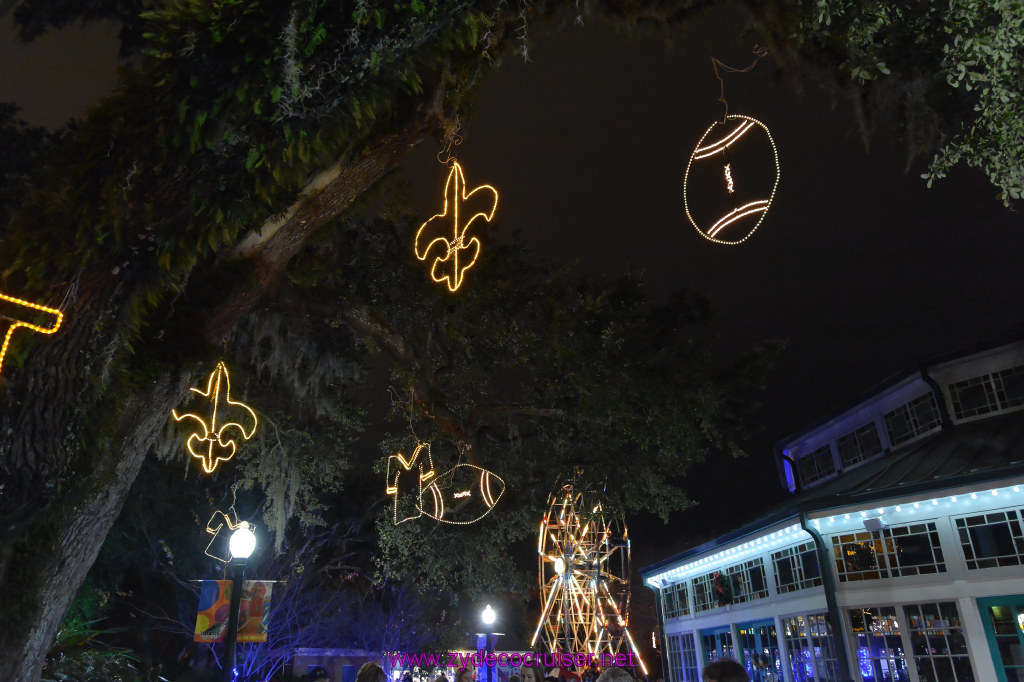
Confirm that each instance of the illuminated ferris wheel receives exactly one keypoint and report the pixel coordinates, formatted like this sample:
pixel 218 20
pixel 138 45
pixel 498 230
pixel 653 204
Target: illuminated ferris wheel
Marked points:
pixel 584 578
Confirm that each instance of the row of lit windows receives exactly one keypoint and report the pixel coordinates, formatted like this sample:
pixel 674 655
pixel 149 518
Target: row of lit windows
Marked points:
pixel 1000 390
pixel 796 568
pixel 906 422
pixel 682 658
pixel 938 647
pixel 994 392
pixel 937 642
pixel 891 552
pixel 988 540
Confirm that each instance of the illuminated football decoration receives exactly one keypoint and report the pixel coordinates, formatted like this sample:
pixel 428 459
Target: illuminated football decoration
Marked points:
pixel 736 200
pixel 584 578
pixel 462 495
pixel 443 237
pixel 212 443
pixel 14 313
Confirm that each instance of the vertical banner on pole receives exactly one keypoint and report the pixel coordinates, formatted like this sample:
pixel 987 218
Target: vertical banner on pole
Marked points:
pixel 214 604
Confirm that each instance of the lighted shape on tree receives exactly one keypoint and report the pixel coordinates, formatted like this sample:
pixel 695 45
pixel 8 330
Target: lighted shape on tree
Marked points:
pixel 15 313
pixel 583 558
pixel 220 526
pixel 733 178
pixel 443 237
pixel 462 495
pixel 214 441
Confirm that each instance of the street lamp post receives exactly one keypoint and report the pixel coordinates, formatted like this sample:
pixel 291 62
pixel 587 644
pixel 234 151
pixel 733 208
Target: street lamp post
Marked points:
pixel 488 617
pixel 242 544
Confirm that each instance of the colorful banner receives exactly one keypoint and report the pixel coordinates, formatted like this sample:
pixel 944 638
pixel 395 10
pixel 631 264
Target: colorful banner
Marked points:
pixel 253 611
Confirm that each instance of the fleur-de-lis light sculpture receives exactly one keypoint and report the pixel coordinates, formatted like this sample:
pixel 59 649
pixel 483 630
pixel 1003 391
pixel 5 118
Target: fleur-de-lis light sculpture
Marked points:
pixel 213 443
pixel 444 236
pixel 14 313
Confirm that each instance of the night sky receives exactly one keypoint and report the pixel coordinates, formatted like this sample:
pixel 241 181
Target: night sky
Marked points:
pixel 857 266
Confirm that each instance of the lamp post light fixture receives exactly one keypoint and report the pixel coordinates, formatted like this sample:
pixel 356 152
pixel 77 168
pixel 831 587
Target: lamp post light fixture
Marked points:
pixel 488 617
pixel 241 544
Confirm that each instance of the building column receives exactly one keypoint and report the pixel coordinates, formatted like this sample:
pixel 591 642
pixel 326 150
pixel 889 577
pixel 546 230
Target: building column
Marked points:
pixel 977 640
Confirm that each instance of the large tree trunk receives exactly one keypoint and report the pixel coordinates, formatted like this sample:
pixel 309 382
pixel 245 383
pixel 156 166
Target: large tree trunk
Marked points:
pixel 65 479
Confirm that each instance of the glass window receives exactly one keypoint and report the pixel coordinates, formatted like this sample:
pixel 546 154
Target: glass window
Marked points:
pixel 704 593
pixel 676 601
pixel 911 419
pixel 817 465
pixel 888 553
pixel 880 655
pixel 811 648
pixel 688 651
pixel 733 585
pixel 1000 390
pixel 717 645
pixel 759 645
pixel 796 568
pixel 938 643
pixel 674 660
pixel 991 540
pixel 858 445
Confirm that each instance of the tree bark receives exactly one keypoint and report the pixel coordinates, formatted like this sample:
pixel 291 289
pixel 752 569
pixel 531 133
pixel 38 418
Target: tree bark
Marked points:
pixel 63 485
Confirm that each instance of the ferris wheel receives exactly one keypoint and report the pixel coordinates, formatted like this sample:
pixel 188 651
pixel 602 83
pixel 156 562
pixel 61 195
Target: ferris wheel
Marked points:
pixel 583 559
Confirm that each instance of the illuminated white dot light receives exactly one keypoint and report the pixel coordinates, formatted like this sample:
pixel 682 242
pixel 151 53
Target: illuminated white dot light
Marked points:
pixel 751 208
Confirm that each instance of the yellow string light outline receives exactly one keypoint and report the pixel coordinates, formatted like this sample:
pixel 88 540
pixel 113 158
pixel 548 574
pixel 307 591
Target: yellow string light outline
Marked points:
pixel 584 578
pixel 15 322
pixel 214 530
pixel 450 264
pixel 210 445
pixel 421 459
pixel 441 500
pixel 720 146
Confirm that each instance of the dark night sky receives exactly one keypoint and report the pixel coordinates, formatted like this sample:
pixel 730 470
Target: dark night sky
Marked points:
pixel 860 268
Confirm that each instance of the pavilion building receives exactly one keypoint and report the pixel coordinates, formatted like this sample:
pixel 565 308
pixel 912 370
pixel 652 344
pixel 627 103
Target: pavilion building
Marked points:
pixel 898 555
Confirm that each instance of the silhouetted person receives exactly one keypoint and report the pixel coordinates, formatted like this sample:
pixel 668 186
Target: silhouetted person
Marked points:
pixel 371 672
pixel 725 670
pixel 615 674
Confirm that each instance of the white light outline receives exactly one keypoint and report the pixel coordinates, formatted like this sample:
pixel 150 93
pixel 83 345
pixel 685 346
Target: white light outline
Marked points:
pixel 719 146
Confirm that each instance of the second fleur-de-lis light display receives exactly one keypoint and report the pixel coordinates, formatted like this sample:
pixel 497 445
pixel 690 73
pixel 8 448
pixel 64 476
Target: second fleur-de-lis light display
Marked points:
pixel 214 442
pixel 444 236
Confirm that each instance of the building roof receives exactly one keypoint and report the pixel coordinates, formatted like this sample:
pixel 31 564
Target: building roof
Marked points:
pixel 978 452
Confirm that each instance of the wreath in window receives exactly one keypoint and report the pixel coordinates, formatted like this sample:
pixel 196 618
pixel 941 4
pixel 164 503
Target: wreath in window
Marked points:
pixel 722 585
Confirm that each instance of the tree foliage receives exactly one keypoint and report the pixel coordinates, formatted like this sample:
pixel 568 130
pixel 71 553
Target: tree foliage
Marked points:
pixel 205 208
pixel 953 70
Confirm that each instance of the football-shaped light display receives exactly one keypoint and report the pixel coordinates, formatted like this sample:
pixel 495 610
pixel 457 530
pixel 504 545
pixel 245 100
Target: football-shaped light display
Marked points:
pixel 734 170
